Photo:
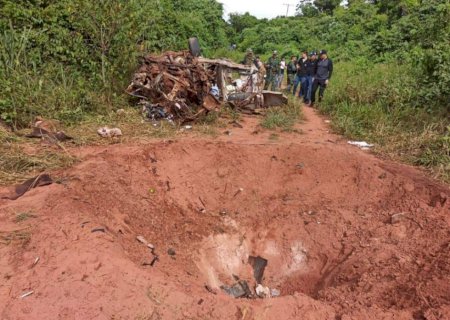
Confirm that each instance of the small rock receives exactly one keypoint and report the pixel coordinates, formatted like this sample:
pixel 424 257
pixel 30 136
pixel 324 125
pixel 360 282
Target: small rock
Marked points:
pixel 397 218
pixel 382 176
pixel 409 187
pixel 399 232
pixel 222 172
pixel 171 252
pixel 300 165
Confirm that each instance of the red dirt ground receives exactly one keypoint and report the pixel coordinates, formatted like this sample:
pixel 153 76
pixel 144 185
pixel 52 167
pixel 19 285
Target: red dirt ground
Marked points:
pixel 316 208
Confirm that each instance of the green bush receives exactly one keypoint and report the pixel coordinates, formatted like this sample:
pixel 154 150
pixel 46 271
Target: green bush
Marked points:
pixel 379 104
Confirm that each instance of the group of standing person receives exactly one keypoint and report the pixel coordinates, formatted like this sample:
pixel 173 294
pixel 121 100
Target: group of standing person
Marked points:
pixel 308 73
pixel 311 72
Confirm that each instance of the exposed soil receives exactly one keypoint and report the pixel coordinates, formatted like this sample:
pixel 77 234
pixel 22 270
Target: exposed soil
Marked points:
pixel 346 235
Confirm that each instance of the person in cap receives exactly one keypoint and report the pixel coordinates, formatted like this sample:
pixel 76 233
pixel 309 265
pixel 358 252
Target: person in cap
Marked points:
pixel 310 72
pixel 273 70
pixel 249 57
pixel 322 76
pixel 291 71
pixel 300 78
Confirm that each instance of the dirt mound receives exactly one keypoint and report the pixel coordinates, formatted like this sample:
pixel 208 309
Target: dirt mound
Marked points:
pixel 346 235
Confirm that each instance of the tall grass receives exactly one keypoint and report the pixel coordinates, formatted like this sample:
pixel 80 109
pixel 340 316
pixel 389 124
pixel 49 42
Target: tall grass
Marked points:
pixel 379 103
pixel 52 90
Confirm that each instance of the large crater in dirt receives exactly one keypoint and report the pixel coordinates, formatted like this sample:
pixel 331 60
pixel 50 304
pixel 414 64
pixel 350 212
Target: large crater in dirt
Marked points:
pixel 339 226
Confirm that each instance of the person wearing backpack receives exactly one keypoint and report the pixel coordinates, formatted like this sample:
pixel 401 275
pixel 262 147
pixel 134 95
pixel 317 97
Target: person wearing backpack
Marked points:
pixel 324 70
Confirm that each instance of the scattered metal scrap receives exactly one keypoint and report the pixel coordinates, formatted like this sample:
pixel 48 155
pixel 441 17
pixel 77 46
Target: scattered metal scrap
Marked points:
pixel 48 131
pixel 182 86
pixel 21 189
pixel 259 265
pixel 241 288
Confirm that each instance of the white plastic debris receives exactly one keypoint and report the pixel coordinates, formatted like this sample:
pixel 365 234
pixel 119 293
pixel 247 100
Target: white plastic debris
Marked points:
pixel 26 294
pixel 35 261
pixel 262 292
pixel 142 240
pixel 215 91
pixel 361 144
pixel 275 293
pixel 239 84
pixel 230 88
pixel 106 132
pixel 188 127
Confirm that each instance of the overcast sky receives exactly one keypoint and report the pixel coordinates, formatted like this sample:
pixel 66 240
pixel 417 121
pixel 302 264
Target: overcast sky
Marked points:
pixel 259 8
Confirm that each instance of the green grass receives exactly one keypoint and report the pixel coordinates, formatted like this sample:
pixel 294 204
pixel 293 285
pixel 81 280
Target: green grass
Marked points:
pixel 284 117
pixel 373 103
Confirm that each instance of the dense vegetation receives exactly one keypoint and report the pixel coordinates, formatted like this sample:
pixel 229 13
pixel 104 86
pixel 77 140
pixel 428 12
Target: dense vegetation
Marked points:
pixel 69 59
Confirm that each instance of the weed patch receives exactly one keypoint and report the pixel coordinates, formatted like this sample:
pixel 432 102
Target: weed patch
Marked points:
pixel 283 117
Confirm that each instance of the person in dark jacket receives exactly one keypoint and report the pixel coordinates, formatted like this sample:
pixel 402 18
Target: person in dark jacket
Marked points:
pixel 311 70
pixel 291 70
pixel 324 70
pixel 300 77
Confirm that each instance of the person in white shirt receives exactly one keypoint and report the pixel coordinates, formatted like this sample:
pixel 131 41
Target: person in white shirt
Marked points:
pixel 281 75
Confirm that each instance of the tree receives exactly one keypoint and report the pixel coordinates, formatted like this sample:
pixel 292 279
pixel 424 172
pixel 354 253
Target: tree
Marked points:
pixel 307 10
pixel 311 8
pixel 239 22
pixel 327 6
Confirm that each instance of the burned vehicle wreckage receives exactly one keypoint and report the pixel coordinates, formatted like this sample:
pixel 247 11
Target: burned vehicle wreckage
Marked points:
pixel 184 86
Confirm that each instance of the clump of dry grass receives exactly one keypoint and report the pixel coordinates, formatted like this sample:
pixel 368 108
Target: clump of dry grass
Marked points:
pixel 16 164
pixel 23 216
pixel 22 236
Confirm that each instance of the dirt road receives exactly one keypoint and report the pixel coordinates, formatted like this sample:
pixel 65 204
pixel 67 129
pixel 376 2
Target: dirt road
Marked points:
pixel 346 235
